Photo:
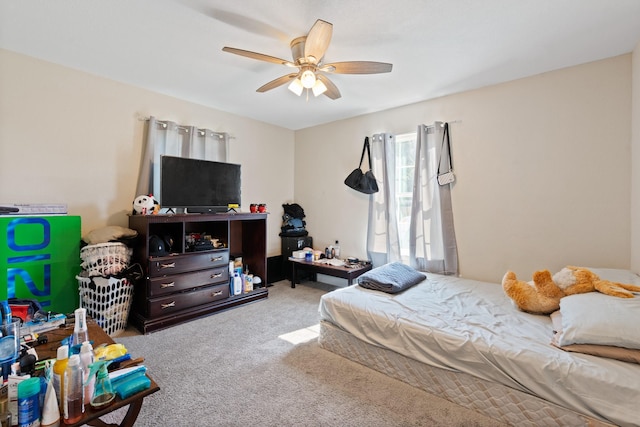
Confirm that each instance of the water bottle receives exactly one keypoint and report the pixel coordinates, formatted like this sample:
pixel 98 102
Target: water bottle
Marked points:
pixel 73 391
pixel 86 359
pixel 80 332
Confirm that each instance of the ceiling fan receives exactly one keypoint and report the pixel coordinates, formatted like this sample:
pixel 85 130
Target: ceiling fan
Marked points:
pixel 308 52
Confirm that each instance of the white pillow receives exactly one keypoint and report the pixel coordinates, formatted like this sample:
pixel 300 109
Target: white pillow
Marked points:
pixel 595 318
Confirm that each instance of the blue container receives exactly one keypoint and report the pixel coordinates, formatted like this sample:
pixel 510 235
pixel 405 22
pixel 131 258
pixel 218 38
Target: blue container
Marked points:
pixel 29 403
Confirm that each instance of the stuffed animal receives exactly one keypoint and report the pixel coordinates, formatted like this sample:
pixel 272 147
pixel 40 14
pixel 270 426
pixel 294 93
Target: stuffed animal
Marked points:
pixel 577 280
pixel 542 295
pixel 145 205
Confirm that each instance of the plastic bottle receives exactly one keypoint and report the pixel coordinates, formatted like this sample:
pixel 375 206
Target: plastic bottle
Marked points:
pixel 231 276
pixel 103 393
pixel 237 284
pixel 86 359
pixel 5 310
pixel 29 403
pixel 59 369
pixel 73 391
pixel 336 249
pixel 80 331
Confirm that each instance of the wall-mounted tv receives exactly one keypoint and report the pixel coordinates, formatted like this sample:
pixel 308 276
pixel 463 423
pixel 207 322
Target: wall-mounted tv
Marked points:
pixel 200 186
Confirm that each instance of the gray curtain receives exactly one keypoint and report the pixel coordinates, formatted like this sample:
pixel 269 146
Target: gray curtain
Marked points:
pixel 432 236
pixel 169 138
pixel 383 241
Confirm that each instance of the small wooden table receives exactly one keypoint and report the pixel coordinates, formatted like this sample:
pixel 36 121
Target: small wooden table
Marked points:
pixel 92 416
pixel 343 272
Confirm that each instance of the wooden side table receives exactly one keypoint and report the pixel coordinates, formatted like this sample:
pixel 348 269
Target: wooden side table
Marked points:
pixel 343 272
pixel 92 416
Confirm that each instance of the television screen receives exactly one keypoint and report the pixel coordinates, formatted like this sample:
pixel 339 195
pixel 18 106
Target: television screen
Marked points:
pixel 199 185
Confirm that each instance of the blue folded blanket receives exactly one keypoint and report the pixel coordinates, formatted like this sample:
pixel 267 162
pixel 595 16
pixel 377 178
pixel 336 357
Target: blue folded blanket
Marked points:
pixel 391 278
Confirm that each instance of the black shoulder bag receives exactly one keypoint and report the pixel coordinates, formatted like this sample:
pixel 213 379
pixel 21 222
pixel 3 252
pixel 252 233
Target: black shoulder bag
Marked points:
pixel 359 181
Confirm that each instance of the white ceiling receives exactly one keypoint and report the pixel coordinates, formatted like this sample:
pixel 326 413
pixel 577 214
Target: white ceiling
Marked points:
pixel 437 47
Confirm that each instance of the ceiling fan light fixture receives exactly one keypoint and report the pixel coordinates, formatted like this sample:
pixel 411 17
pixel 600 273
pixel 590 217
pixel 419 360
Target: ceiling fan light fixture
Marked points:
pixel 296 86
pixel 319 88
pixel 308 55
pixel 308 79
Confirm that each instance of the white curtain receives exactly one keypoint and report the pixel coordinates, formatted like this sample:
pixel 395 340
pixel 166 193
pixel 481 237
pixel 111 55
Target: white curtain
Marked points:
pixel 383 237
pixel 166 137
pixel 432 239
pixel 432 242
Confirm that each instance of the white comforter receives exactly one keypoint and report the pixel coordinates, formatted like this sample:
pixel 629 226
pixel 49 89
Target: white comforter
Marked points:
pixel 470 326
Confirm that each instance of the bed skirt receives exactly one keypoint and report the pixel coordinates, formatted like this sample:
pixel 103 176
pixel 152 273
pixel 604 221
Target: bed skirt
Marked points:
pixel 491 399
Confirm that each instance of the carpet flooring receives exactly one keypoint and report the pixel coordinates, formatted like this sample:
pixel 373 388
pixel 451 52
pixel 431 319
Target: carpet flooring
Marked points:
pixel 235 368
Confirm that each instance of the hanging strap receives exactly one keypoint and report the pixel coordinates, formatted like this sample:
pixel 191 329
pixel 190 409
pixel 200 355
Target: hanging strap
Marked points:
pixel 365 147
pixel 445 136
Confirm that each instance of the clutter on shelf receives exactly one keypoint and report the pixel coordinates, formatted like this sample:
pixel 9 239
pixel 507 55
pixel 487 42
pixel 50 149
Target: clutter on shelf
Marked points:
pixel 293 224
pixel 52 391
pixel 241 280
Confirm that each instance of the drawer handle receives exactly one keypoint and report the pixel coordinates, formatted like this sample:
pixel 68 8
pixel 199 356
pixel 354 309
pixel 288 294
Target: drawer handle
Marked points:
pixel 216 258
pixel 169 305
pixel 216 275
pixel 215 294
pixel 167 285
pixel 170 265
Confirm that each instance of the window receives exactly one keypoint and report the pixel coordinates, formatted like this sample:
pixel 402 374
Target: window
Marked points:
pixel 395 214
pixel 405 166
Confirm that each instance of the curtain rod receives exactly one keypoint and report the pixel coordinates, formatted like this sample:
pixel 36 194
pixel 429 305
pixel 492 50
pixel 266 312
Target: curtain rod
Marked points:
pixel 442 125
pixel 185 128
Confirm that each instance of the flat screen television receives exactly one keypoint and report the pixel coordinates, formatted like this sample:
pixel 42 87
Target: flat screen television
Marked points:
pixel 200 186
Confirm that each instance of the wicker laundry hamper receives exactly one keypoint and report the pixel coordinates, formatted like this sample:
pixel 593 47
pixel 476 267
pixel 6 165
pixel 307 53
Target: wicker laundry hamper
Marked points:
pixel 105 259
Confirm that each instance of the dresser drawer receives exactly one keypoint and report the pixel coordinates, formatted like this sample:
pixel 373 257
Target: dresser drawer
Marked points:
pixel 188 262
pixel 184 300
pixel 158 286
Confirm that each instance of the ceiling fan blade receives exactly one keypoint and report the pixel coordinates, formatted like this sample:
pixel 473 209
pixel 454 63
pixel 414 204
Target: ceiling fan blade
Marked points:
pixel 277 82
pixel 357 67
pixel 332 90
pixel 318 40
pixel 258 56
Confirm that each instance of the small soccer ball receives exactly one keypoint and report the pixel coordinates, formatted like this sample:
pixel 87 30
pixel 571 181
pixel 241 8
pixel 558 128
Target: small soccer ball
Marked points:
pixel 145 205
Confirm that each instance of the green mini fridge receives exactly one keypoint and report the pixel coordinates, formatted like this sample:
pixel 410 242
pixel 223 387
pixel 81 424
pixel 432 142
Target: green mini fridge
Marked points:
pixel 39 259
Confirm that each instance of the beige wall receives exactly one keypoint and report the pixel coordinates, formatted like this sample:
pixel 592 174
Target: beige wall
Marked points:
pixel 542 165
pixel 635 149
pixel 70 137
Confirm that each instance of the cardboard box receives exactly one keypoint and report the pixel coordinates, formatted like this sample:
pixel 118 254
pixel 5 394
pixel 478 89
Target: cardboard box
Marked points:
pixel 39 259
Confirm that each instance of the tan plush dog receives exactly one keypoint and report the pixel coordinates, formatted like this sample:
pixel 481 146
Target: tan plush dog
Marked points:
pixel 543 294
pixel 540 296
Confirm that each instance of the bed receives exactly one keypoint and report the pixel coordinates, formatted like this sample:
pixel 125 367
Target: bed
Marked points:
pixel 464 340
